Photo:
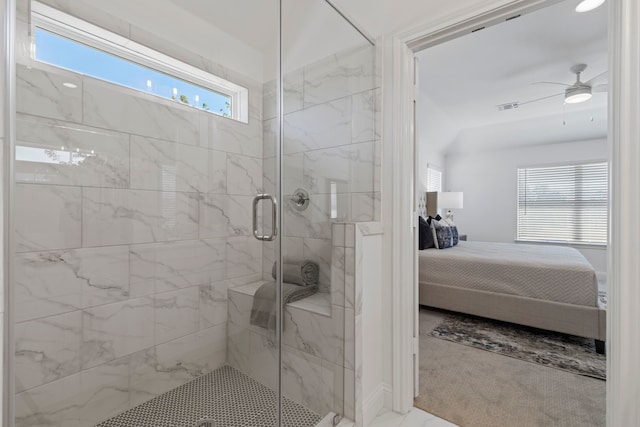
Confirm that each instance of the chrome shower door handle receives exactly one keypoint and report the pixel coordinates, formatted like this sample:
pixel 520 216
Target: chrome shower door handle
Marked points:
pixel 274 220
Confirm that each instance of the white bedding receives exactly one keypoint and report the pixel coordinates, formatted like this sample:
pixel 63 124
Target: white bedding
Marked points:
pixel 554 273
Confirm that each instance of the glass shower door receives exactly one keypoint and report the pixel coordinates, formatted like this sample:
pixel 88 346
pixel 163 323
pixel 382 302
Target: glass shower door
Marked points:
pixel 328 174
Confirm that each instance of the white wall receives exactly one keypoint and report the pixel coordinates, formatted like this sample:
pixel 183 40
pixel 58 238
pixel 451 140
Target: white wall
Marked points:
pixel 435 130
pixel 488 180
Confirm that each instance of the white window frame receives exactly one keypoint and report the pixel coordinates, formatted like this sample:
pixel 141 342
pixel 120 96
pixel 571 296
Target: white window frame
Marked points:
pixel 520 238
pixel 58 22
pixel 427 180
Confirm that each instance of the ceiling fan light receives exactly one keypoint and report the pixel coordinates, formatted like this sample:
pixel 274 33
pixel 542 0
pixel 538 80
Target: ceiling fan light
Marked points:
pixel 577 98
pixel 587 5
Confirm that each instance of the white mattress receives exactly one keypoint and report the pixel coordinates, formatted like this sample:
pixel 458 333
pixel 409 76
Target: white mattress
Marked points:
pixel 554 273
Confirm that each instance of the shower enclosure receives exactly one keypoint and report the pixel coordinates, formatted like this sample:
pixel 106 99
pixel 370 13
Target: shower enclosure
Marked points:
pixel 169 158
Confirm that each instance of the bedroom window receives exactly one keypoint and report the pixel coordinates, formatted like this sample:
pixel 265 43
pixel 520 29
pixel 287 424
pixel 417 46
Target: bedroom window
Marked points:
pixel 434 179
pixel 567 204
pixel 67 42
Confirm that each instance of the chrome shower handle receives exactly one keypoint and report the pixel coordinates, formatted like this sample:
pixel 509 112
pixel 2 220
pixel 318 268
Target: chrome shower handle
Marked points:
pixel 274 220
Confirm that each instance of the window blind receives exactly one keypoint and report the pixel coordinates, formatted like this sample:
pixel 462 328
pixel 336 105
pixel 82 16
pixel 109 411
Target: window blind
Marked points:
pixel 563 203
pixel 434 179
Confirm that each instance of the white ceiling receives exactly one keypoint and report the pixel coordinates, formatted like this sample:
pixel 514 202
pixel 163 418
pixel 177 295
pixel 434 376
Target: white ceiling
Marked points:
pixel 466 78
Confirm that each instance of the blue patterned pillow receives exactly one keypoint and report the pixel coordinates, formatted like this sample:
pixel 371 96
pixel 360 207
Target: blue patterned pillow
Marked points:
pixel 454 231
pixel 442 234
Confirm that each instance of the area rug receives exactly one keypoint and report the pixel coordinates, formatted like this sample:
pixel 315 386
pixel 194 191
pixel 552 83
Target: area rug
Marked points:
pixel 555 350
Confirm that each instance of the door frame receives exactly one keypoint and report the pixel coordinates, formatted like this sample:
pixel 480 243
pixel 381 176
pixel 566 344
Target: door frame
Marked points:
pixel 623 317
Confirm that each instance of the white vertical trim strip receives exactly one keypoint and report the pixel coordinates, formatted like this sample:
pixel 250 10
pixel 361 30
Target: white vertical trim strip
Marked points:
pixel 8 150
pixel 623 314
pixel 402 238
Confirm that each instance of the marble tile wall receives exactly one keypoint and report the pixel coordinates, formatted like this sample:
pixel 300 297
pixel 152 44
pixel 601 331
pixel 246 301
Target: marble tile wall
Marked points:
pixel 132 221
pixel 312 353
pixel 321 350
pixel 331 149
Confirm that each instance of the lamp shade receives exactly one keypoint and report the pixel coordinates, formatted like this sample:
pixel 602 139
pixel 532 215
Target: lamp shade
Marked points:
pixel 443 200
pixel 450 200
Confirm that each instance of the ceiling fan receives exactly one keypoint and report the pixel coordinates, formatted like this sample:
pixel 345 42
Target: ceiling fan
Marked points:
pixel 578 91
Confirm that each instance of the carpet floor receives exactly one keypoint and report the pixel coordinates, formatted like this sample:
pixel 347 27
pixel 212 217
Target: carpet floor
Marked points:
pixel 476 388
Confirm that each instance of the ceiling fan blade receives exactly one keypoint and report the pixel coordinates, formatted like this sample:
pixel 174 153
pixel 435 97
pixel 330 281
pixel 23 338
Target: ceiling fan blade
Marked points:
pixel 601 88
pixel 539 99
pixel 600 78
pixel 550 83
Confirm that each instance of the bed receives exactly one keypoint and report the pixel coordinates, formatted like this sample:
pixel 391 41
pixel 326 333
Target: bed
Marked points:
pixel 547 287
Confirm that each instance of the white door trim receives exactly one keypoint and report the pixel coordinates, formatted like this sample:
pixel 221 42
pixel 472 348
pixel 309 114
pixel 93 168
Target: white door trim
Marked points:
pixel 623 316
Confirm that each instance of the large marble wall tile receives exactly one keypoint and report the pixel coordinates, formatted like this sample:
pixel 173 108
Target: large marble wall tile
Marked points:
pixel 213 304
pixel 176 314
pixel 193 355
pixel 43 93
pixel 48 283
pixel 244 175
pixel 322 126
pixel 44 285
pixel 167 266
pixel 365 207
pixel 361 63
pixel 337 276
pixel 145 381
pixel 115 330
pixel 104 391
pixel 236 137
pixel 363 115
pixel 56 152
pixel 270 129
pixel 238 334
pixel 244 256
pixel 349 168
pixel 293 101
pixel 302 379
pixel 263 362
pixel 47 217
pixel 104 272
pixel 292 174
pixel 293 91
pixel 317 335
pixel 168 166
pixel 214 217
pixel 112 107
pixel 53 404
pixel 315 221
pixel 47 349
pixel 240 216
pixel 113 217
pixel 325 80
pixel 269 100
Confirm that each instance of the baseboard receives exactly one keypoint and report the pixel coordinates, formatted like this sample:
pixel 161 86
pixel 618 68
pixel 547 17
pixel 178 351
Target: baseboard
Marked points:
pixel 375 402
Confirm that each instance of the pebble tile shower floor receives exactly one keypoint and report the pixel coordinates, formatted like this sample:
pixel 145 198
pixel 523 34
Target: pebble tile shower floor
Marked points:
pixel 226 396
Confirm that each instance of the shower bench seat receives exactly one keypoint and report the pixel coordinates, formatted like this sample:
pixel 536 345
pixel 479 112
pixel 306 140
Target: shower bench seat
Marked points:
pixel 319 303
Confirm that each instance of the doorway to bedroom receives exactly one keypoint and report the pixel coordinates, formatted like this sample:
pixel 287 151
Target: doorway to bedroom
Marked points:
pixel 512 185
